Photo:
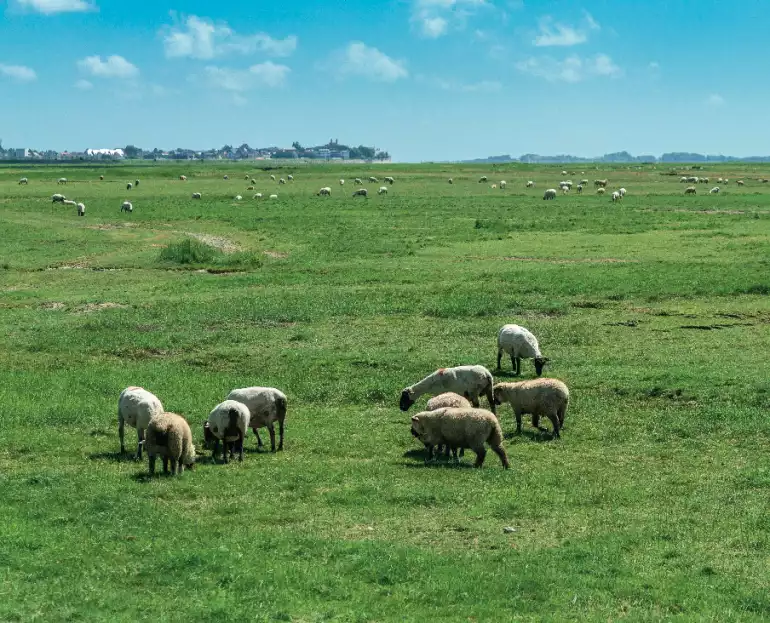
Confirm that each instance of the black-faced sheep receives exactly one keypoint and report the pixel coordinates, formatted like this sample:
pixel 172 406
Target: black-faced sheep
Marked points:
pixel 520 344
pixel 266 406
pixel 227 422
pixel 468 381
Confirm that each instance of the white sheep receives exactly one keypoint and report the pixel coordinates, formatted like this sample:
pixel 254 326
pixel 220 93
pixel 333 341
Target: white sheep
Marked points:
pixel 451 181
pixel 530 184
pixel 727 181
pixel 358 181
pixel 740 182
pixel 266 406
pixel 81 209
pixel 247 176
pixel 720 181
pixel 196 195
pixel 564 173
pixel 549 194
pixel 503 184
pixel 579 188
pixel 615 196
pixel 342 182
pixel 281 181
pixel 690 190
pixel 258 196
pixel 69 202
pixel 182 178
pixel 57 198
pixel 683 180
pixel 325 191
pixel 272 177
pixel 136 406
pixel 383 190
pixel 714 190
pixel 468 381
pixel 227 422
pixel 136 183
pixel 482 179
pixel 238 197
pixel 129 186
pixel 601 191
pixel 127 206
pixel 390 180
pixel 227 177
pixel 494 186
pixel 169 436
pixel 101 178
pixel 273 197
pixel 290 178
pixel 622 192
pixel 373 179
pixel 537 397
pixel 23 181
pixel 600 183
pixel 519 343
pixel 361 192
pixel 62 180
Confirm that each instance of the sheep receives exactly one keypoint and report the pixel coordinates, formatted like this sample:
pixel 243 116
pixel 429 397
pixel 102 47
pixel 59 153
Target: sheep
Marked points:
pixel 258 196
pixel 601 191
pixel 451 181
pixel 615 196
pixel 383 190
pixel 683 180
pixel 226 177
pixel 538 397
pixel 358 181
pixel 127 206
pixel 580 189
pixel 272 177
pixel 228 422
pixel 520 343
pixel 564 173
pixel 622 192
pixel 238 197
pixel 461 428
pixel 565 190
pixel 169 436
pixel 62 180
pixel 101 178
pixel 602 183
pixel 253 182
pixel 444 401
pixel 342 182
pixel 136 183
pixel 727 181
pixel 361 192
pixel 373 179
pixel 247 176
pixel 482 179
pixel 57 198
pixel 690 190
pixel 266 406
pixel 549 194
pixel 281 181
pixel 69 202
pixel 249 188
pixel 23 181
pixel 390 180
pixel 567 183
pixel 503 184
pixel 530 184
pixel 182 178
pixel 196 195
pixel 136 406
pixel 81 209
pixel 290 178
pixel 720 181
pixel 468 381
pixel 129 186
pixel 325 191
pixel 584 183
pixel 740 182
pixel 494 186
pixel 714 190
pixel 273 197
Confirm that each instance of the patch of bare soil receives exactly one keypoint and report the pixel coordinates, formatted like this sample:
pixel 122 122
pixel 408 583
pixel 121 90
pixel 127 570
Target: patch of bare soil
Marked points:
pixel 276 254
pixel 53 306
pixel 93 307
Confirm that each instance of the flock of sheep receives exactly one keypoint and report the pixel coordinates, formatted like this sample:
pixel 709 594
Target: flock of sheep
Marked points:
pixel 452 421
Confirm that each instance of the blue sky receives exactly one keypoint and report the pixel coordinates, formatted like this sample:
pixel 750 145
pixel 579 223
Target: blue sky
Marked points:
pixel 424 79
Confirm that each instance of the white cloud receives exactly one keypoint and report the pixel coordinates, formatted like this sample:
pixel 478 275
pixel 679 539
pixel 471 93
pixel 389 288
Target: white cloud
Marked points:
pixel 715 100
pixel 112 67
pixel 554 34
pixel 266 74
pixel 484 86
pixel 51 7
pixel 433 17
pixel 359 59
pixel 571 69
pixel 18 72
pixel 201 38
pixel 84 85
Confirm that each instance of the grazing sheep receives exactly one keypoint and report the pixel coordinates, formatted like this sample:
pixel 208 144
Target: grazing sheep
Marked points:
pixel 127 206
pixel 281 181
pixel 101 177
pixel 530 184
pixel 720 181
pixel 461 428
pixel 537 397
pixel 564 173
pixel 600 183
pixel 182 178
pixel 81 209
pixel 601 191
pixel 690 190
pixel 23 181
pixel 390 180
pixel 62 180
pixel 727 181
pixel 373 179
pixel 383 190
pixel 272 177
pixel 136 183
pixel 615 196
pixel 249 188
pixel 325 191
pixel 683 180
pixel 451 181
pixel 69 202
pixel 136 406
pixel 253 181
pixel 565 190
pixel 247 176
pixel 129 186
pixel 580 189
pixel 447 400
pixel 519 343
pixel 482 179
pixel 225 177
pixel 227 422
pixel 238 197
pixel 358 181
pixel 342 182
pixel 549 194
pixel 740 182
pixel 169 436
pixel 258 196
pixel 290 178
pixel 361 192
pixel 468 381
pixel 584 183
pixel 57 198
pixel 622 192
pixel 714 190
pixel 494 186
pixel 273 197
pixel 266 406
pixel 196 195
pixel 503 184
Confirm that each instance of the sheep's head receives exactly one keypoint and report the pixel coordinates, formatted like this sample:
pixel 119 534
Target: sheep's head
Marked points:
pixel 406 400
pixel 417 427
pixel 498 395
pixel 540 364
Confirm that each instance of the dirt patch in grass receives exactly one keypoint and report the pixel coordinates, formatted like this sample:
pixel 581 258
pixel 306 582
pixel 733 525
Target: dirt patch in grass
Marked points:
pixel 218 242
pixel 93 307
pixel 278 255
pixel 69 266
pixel 53 306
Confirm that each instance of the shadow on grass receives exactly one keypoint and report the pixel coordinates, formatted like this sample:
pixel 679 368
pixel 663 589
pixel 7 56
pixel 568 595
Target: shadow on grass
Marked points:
pixel 115 457
pixel 539 436
pixel 419 457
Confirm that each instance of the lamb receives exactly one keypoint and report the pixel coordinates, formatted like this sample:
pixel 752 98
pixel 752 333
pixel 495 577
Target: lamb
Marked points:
pixel 62 180
pixel 615 196
pixel 136 406
pixel 81 209
pixel 390 180
pixel 622 192
pixel 383 190
pixel 129 186
pixel 169 436
pixel 266 406
pixel 101 177
pixel 461 428
pixel 549 194
pixel 23 181
pixel 273 197
pixel 196 195
pixel 228 422
pixel 182 178
pixel 361 192
pixel 342 182
pixel 482 179
pixel 468 381
pixel 136 183
pixel 57 198
pixel 601 191
pixel 444 401
pixel 373 179
pixel 538 397
pixel 690 190
pixel 530 184
pixel 714 190
pixel 325 191
pixel 520 344
pixel 127 206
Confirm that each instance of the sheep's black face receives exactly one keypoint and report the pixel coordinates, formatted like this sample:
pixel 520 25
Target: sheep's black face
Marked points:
pixel 540 364
pixel 498 401
pixel 406 401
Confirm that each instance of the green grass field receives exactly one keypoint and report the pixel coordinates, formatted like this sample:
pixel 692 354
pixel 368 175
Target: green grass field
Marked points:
pixel 656 313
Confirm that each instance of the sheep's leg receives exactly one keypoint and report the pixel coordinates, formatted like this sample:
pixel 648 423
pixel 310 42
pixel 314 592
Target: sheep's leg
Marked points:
pixel 121 434
pixel 518 366
pixel 140 443
pixel 173 466
pixel 480 454
pixel 429 449
pixel 561 413
pixel 152 465
pixel 280 432
pixel 241 437
pixel 491 400
pixel 259 441
pixel 216 451
pixel 225 450
pixel 500 451
pixel 499 357
pixel 474 401
pixel 165 465
pixel 513 363
pixel 555 421
pixel 518 421
pixel 271 430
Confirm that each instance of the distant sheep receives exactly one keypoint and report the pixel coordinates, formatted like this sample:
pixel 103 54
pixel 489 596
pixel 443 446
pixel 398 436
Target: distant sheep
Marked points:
pixel 290 178
pixel 266 406
pixel 101 178
pixel 249 188
pixel 238 197
pixel 342 182
pixel 615 196
pixel 136 406
pixel 361 192
pixel 196 195
pixel 358 181
pixel 493 186
pixel 182 178
pixel 520 343
pixel 23 181
pixel 62 180
pixel 227 422
pixel 169 436
pixel 129 186
pixel 537 397
pixel 584 183
pixel 714 190
pixel 530 184
pixel 468 381
pixel 373 179
pixel 57 198
pixel 564 173
pixel 482 179
pixel 136 183
pixel 622 192
pixel 272 177
pixel 390 180
pixel 601 191
pixel 258 196
pixel 579 188
pixel 383 190
pixel 227 177
pixel 281 181
pixel 600 183
pixel 127 206
pixel 451 181
pixel 273 197
pixel 81 209
pixel 325 192
pixel 549 194
pixel 691 190
pixel 740 182
pixel 503 184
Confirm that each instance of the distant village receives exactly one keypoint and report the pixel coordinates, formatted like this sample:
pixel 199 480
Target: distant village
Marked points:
pixel 332 151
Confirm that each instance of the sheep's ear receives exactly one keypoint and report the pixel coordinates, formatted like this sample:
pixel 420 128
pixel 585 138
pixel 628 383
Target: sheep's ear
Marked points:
pixel 415 419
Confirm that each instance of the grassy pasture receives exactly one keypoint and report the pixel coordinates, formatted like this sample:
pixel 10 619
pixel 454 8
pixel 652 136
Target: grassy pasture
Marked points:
pixel 654 505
